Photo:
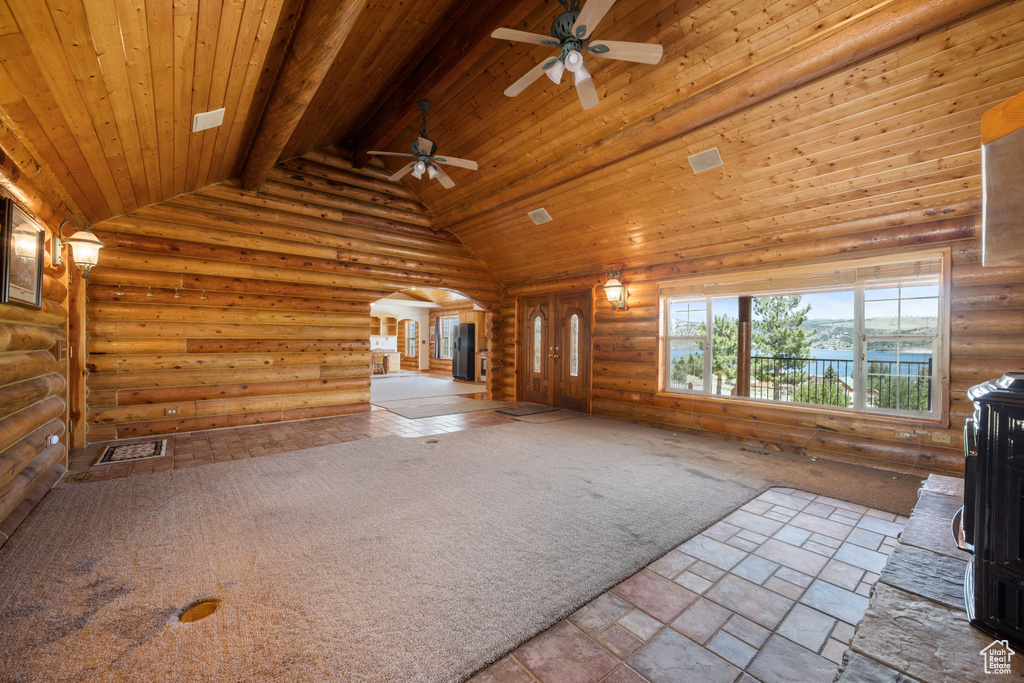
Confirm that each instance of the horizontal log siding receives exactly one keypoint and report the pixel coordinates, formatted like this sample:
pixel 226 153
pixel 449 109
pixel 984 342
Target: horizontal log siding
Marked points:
pixel 32 397
pixel 226 307
pixel 987 310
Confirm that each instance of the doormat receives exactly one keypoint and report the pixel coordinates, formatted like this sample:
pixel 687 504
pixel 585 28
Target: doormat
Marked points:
pixel 520 409
pixel 133 451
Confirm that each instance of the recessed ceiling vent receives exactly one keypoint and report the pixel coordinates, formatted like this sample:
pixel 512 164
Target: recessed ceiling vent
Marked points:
pixel 705 161
pixel 208 119
pixel 539 216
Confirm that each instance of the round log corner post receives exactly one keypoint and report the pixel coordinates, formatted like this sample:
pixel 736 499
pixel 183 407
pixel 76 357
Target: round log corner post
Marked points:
pixel 323 29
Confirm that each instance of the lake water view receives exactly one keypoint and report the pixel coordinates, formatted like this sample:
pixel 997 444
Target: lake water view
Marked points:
pixel 842 361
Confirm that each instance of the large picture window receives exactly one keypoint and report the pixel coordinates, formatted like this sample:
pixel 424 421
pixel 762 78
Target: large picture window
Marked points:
pixel 868 335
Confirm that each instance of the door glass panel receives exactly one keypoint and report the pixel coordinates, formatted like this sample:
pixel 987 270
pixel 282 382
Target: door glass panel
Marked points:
pixel 537 344
pixel 574 346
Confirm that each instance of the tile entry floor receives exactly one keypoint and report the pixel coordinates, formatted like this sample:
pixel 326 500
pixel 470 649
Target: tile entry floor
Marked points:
pixel 234 443
pixel 770 594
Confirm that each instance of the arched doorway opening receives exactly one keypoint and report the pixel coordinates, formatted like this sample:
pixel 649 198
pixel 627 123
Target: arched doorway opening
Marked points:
pixel 422 327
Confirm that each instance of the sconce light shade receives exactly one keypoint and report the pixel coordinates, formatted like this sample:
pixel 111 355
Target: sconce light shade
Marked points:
pixel 615 290
pixel 85 246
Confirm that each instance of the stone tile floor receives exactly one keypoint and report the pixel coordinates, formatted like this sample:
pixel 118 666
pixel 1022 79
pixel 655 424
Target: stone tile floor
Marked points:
pixel 200 448
pixel 770 594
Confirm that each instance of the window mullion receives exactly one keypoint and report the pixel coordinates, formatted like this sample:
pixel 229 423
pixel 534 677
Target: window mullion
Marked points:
pixel 708 350
pixel 860 393
pixel 667 330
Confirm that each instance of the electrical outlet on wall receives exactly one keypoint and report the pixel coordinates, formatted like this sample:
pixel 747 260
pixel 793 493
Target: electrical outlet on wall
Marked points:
pixel 938 437
pixel 171 411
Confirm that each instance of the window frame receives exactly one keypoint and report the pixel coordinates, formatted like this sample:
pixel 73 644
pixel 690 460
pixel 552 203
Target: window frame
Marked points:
pixel 453 322
pixel 411 338
pixel 668 291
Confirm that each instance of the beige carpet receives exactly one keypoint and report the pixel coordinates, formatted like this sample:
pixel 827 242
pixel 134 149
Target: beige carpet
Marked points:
pixel 387 559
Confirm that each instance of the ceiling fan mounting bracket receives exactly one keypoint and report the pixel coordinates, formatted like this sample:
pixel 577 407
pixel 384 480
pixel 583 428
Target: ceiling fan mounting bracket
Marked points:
pixel 424 105
pixel 561 27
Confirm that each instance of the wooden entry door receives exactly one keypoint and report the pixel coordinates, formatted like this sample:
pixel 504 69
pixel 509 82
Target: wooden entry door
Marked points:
pixel 555 343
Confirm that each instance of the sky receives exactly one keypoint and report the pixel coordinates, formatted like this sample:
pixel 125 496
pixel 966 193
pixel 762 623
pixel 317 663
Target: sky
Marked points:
pixel 832 306
pixel 839 305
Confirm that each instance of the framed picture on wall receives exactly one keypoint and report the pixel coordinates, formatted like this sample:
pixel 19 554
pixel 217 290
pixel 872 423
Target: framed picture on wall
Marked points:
pixel 21 258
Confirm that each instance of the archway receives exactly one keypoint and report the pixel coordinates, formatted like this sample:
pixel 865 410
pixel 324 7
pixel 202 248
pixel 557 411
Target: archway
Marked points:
pixel 435 316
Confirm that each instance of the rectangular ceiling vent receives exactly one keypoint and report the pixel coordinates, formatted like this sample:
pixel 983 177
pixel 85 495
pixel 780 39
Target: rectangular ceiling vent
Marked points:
pixel 539 216
pixel 705 161
pixel 208 119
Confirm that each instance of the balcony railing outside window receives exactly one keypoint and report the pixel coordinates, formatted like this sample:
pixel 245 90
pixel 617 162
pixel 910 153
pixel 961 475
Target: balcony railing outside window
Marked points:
pixel 891 384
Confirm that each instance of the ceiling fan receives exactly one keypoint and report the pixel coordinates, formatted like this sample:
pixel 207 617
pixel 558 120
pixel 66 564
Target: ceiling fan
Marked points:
pixel 424 151
pixel 572 32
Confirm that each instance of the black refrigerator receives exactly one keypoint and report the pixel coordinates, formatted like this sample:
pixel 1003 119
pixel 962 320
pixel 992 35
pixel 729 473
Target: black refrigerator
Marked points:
pixel 464 352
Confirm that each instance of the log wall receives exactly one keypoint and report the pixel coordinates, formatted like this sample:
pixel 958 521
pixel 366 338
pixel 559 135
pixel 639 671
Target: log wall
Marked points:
pixel 987 322
pixel 32 399
pixel 226 307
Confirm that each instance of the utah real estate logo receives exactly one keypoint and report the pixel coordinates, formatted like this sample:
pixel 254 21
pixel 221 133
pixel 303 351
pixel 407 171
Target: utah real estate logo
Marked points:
pixel 997 657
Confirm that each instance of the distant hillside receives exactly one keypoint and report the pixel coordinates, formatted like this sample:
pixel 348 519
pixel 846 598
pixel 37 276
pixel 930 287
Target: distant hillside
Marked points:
pixel 837 335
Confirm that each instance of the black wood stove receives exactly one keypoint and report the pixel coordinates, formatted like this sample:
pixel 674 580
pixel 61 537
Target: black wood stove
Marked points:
pixel 991 527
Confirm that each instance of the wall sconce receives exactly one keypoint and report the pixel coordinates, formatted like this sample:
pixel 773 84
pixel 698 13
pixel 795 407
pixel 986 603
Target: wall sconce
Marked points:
pixel 615 290
pixel 85 246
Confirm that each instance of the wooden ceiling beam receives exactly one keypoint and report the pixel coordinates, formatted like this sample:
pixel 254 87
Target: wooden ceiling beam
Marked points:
pixel 323 28
pixel 868 35
pixel 445 60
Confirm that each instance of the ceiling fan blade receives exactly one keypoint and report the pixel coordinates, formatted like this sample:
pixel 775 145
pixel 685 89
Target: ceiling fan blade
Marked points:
pixel 523 37
pixel 392 154
pixel 443 178
pixel 402 173
pixel 645 53
pixel 461 163
pixel 590 16
pixel 531 75
pixel 587 93
pixel 426 146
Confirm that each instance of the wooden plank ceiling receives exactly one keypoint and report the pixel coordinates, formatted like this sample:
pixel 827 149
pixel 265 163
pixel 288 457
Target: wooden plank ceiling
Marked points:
pixel 102 93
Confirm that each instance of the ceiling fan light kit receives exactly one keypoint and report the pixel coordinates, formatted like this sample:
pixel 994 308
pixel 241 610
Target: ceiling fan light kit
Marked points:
pixel 572 32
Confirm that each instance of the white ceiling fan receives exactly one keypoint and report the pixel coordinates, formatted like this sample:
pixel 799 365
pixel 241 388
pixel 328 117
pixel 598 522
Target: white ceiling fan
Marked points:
pixel 424 152
pixel 572 32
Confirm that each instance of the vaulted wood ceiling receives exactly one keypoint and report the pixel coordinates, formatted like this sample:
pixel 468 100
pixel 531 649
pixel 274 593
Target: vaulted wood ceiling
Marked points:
pixel 827 113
